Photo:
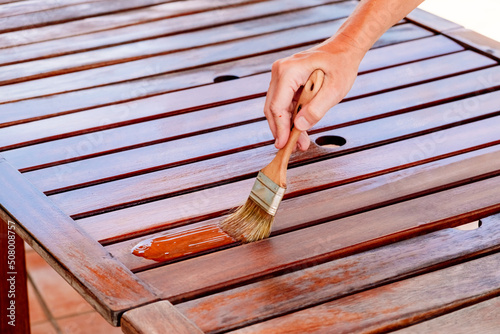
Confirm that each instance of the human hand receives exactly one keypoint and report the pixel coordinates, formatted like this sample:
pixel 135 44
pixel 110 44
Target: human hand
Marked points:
pixel 339 59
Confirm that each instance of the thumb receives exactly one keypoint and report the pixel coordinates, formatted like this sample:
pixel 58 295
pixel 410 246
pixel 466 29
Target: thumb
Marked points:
pixel 313 111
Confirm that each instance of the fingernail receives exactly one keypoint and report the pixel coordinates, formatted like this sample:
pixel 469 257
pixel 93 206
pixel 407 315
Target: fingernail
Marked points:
pixel 301 123
pixel 276 143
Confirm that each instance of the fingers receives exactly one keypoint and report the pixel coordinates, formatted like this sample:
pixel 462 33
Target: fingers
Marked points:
pixel 312 112
pixel 303 142
pixel 279 101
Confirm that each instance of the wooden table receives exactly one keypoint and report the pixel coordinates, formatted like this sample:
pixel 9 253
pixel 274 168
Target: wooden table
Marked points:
pixel 113 132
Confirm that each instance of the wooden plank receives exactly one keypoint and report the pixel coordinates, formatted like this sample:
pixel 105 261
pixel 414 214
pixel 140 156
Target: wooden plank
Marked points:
pixel 478 318
pixel 69 13
pixel 326 241
pixel 431 21
pixel 350 197
pixel 112 21
pixel 477 41
pixel 157 318
pixel 163 45
pixel 35 108
pixel 395 305
pixel 196 122
pixel 30 6
pixel 88 267
pixel 192 207
pixel 91 170
pixel 201 57
pixel 14 298
pixel 156 185
pixel 312 286
pixel 157 28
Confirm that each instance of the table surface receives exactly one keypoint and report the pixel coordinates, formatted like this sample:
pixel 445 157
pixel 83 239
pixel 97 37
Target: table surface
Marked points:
pixel 129 122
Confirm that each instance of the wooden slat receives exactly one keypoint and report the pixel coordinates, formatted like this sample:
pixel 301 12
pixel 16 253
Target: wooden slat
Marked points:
pixel 155 131
pixel 325 241
pixel 64 103
pixel 209 203
pixel 358 137
pixel 431 21
pixel 149 30
pixel 477 41
pixel 88 267
pixel 157 318
pixel 148 48
pixel 351 197
pixel 112 21
pixel 479 318
pixel 70 13
pixel 395 305
pixel 93 169
pixel 30 6
pixel 301 289
pixel 200 57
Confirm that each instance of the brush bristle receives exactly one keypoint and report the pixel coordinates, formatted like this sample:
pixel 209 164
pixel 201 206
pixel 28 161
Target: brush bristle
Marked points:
pixel 248 223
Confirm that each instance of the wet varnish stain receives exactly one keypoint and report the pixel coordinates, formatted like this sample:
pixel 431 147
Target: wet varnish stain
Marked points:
pixel 180 244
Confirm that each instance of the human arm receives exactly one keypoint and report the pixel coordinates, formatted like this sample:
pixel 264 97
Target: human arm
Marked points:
pixel 339 58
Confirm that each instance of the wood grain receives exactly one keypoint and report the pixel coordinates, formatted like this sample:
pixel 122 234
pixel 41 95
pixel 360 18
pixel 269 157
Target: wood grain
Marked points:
pixel 91 170
pixel 198 57
pixel 366 84
pixel 163 45
pixel 356 189
pixel 34 108
pixel 304 288
pixel 88 267
pixel 325 241
pixel 167 26
pixel 478 318
pixel 359 136
pixel 69 13
pixel 395 305
pixel 157 318
pixel 111 21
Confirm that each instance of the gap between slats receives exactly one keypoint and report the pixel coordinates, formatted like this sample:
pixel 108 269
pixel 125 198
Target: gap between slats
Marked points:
pixel 166 26
pixel 143 89
pixel 401 101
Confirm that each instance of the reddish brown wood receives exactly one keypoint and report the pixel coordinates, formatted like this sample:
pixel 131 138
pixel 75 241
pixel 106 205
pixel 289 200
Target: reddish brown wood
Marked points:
pixel 150 157
pixel 148 48
pixel 111 21
pixel 432 21
pixel 69 13
pixel 175 25
pixel 477 41
pixel 380 185
pixel 325 241
pixel 367 84
pixel 79 259
pixel 358 137
pixel 395 305
pixel 175 245
pixel 12 113
pixel 157 318
pixel 14 296
pixel 478 318
pixel 328 281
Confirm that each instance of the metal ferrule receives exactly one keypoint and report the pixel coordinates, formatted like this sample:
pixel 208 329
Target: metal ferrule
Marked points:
pixel 267 194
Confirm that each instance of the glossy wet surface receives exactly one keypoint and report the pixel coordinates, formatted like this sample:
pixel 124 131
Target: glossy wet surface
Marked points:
pixel 180 244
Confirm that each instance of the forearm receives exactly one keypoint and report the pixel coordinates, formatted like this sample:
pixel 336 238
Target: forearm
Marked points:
pixel 369 21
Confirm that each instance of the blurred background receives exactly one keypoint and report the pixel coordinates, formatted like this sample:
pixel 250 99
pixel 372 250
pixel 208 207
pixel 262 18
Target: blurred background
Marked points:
pixel 478 15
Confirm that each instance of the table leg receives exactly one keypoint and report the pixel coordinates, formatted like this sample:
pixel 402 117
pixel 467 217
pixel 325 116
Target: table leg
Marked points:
pixel 14 295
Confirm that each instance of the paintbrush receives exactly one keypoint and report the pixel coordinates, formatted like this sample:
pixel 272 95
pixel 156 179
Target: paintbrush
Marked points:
pixel 253 220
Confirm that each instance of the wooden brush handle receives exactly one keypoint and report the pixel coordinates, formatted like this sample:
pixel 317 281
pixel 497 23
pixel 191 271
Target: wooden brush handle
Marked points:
pixel 276 170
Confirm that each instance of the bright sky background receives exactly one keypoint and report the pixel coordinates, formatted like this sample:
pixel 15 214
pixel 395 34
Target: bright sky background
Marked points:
pixel 481 16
